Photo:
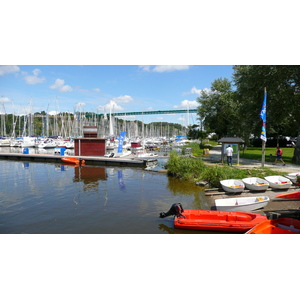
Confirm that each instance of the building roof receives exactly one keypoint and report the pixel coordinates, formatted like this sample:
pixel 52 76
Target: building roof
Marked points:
pixel 232 140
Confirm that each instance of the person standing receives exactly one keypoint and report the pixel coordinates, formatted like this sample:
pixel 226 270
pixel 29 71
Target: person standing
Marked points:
pixel 229 152
pixel 278 156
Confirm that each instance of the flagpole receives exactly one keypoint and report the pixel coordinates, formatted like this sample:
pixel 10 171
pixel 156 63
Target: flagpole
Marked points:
pixel 264 140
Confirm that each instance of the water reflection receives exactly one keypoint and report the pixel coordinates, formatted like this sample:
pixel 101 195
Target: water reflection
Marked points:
pixel 49 197
pixel 121 180
pixel 90 176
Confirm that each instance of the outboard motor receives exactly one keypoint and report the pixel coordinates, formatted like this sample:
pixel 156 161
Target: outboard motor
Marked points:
pixel 176 209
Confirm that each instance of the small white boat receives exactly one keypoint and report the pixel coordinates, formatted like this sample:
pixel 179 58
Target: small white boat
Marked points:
pixel 123 154
pixel 145 154
pixel 232 185
pixel 256 183
pixel 278 182
pixel 244 204
pixel 292 177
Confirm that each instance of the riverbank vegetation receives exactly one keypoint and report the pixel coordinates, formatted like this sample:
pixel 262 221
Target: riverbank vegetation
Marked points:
pixel 194 169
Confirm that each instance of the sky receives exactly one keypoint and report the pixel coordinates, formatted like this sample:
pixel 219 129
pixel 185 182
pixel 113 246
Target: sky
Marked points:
pixel 96 88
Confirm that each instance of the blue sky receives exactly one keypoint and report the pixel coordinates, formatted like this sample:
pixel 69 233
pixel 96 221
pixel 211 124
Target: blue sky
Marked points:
pixel 92 88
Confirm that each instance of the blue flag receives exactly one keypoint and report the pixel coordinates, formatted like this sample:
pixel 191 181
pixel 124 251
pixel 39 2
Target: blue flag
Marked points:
pixel 263 115
pixel 121 140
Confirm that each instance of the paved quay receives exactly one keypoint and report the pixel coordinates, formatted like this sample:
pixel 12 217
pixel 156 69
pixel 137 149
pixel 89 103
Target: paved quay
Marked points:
pixel 274 204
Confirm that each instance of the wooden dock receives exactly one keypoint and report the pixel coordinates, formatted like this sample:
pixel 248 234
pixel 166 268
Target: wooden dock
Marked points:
pixel 89 160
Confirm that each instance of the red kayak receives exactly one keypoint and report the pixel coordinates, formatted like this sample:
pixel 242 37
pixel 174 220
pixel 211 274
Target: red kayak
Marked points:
pixel 217 220
pixel 277 226
pixel 72 160
pixel 292 195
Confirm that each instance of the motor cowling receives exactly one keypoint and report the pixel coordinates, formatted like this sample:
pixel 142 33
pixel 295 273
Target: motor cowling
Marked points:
pixel 176 209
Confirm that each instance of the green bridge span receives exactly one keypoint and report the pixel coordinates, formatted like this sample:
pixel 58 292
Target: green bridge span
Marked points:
pixel 154 112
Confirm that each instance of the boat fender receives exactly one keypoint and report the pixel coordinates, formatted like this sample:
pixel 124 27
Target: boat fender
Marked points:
pixel 176 209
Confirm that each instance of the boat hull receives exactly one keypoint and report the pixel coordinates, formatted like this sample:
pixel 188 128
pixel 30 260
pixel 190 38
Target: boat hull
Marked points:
pixel 232 185
pixel 277 226
pixel 292 177
pixel 292 195
pixel 242 204
pixel 72 160
pixel 279 182
pixel 255 184
pixel 218 220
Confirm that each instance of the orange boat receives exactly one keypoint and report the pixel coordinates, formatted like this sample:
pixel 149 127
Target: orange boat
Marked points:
pixel 277 226
pixel 292 195
pixel 72 160
pixel 213 220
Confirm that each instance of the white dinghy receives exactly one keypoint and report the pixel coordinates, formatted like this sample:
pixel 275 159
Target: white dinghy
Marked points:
pixel 278 182
pixel 232 185
pixel 256 183
pixel 244 204
pixel 292 177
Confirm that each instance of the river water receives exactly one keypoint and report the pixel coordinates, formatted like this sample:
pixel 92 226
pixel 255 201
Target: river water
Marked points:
pixel 55 198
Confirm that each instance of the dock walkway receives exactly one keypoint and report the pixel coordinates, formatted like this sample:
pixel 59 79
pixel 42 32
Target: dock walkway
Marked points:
pixel 93 160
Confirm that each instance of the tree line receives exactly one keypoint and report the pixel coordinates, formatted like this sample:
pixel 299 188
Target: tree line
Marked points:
pixel 232 107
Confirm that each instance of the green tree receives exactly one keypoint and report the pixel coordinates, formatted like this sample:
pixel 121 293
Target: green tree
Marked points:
pixel 218 109
pixel 283 105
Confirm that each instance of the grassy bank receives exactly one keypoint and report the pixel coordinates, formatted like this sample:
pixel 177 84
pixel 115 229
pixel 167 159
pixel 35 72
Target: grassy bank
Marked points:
pixel 194 169
pixel 256 153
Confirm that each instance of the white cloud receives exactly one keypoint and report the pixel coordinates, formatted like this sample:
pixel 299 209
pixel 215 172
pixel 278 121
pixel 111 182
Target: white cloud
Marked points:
pixel 111 104
pixel 187 104
pixel 4 100
pixel 34 79
pixel 59 85
pixel 123 99
pixel 8 69
pixel 97 90
pixel 145 68
pixel 181 119
pixel 53 113
pixel 79 106
pixel 162 68
pixel 196 91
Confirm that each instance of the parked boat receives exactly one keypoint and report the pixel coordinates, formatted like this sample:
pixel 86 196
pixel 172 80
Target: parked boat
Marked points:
pixel 243 204
pixel 292 177
pixel 123 154
pixel 73 160
pixel 213 220
pixel 277 226
pixel 232 185
pixel 292 195
pixel 255 183
pixel 278 182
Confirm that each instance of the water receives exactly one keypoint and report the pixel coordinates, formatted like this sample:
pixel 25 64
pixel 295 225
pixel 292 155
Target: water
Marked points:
pixel 54 198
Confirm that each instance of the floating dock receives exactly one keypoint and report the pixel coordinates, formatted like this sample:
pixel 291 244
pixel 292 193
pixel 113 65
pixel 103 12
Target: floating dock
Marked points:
pixel 89 160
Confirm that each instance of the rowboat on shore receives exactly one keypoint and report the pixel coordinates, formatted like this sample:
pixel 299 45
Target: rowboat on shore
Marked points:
pixel 256 183
pixel 212 220
pixel 242 204
pixel 277 226
pixel 278 182
pixel 292 195
pixel 232 185
pixel 292 177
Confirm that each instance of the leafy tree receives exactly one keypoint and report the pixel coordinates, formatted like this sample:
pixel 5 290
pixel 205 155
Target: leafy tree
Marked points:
pixel 218 110
pixel 283 95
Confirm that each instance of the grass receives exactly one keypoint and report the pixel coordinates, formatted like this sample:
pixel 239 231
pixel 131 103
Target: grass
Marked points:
pixel 256 154
pixel 194 169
